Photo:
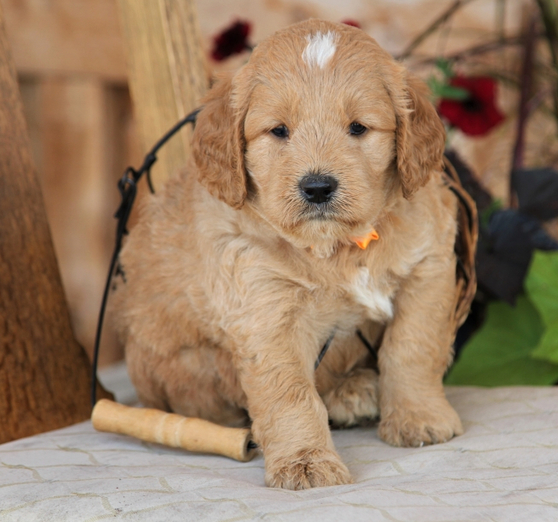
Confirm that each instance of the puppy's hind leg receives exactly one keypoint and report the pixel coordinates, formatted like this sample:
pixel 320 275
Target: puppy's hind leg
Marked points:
pixel 347 382
pixel 194 382
pixel 354 401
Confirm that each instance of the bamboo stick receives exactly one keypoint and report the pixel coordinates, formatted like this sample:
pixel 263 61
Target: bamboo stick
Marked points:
pixel 173 430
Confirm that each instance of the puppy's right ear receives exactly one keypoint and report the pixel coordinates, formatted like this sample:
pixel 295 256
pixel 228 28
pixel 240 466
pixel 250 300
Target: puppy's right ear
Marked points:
pixel 218 146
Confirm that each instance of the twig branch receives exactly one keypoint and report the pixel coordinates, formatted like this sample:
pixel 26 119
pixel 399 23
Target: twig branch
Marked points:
pixel 549 15
pixel 479 49
pixel 448 13
pixel 526 86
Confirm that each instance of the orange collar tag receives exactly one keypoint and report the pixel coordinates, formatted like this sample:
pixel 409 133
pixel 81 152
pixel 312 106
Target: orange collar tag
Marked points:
pixel 364 241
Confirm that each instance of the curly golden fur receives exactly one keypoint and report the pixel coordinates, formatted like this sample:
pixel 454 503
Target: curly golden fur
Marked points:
pixel 235 279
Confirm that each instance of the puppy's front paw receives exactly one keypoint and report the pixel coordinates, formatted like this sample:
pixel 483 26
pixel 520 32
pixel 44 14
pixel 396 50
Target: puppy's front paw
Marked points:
pixel 355 400
pixel 308 468
pixel 414 425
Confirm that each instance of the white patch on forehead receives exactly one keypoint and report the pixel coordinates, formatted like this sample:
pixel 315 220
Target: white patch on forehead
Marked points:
pixel 379 305
pixel 320 49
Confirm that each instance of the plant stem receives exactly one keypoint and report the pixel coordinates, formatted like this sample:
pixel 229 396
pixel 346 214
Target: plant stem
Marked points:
pixel 525 93
pixel 501 19
pixel 448 13
pixel 549 15
pixel 479 49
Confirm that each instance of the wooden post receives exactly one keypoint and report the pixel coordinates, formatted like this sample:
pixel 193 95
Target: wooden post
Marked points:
pixel 44 373
pixel 167 72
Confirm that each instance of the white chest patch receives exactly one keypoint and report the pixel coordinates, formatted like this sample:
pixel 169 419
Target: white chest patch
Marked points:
pixel 379 305
pixel 320 49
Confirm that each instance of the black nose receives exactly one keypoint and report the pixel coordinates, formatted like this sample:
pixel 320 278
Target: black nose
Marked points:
pixel 317 188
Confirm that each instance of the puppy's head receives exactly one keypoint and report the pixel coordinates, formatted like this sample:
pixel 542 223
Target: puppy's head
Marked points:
pixel 325 128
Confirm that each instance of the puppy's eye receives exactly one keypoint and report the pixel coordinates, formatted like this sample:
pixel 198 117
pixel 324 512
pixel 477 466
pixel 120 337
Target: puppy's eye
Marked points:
pixel 356 129
pixel 281 131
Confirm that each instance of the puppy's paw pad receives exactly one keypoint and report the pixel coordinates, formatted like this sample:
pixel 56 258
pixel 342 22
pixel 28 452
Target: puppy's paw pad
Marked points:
pixel 419 426
pixel 308 469
pixel 355 400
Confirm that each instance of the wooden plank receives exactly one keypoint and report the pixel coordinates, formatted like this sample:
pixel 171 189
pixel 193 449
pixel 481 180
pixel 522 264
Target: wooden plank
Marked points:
pixel 78 173
pixel 66 36
pixel 167 73
pixel 188 66
pixel 44 373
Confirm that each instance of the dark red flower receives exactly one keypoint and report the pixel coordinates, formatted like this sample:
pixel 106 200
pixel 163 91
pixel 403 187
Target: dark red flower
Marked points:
pixel 353 23
pixel 477 114
pixel 232 40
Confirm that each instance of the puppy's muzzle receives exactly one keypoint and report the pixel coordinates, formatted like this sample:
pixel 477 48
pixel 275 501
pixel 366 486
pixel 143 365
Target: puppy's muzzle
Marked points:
pixel 317 188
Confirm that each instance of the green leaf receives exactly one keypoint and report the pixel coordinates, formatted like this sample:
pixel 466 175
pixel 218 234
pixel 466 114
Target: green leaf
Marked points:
pixel 453 93
pixel 446 67
pixel 499 353
pixel 541 285
pixel 547 349
pixel 435 86
pixel 441 89
pixel 486 214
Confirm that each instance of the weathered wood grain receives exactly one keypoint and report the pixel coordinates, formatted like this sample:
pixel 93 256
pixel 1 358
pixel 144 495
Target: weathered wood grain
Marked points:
pixel 44 373
pixel 66 37
pixel 167 73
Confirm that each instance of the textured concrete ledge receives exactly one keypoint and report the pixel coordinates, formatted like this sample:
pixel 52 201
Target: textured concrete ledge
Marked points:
pixel 504 468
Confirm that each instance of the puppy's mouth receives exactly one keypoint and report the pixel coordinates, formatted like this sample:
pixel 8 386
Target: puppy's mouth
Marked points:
pixel 321 212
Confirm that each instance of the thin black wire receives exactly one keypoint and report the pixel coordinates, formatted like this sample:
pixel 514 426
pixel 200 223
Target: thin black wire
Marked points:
pixel 324 350
pixel 127 185
pixel 372 349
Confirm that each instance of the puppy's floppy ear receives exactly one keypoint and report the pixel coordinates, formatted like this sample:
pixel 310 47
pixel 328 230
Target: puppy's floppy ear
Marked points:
pixel 218 146
pixel 420 137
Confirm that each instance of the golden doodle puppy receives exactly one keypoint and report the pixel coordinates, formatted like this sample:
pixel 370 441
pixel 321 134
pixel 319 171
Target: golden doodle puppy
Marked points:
pixel 316 208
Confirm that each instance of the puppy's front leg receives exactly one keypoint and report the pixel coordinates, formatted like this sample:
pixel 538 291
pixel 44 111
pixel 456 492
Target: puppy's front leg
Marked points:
pixel 289 418
pixel 413 358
